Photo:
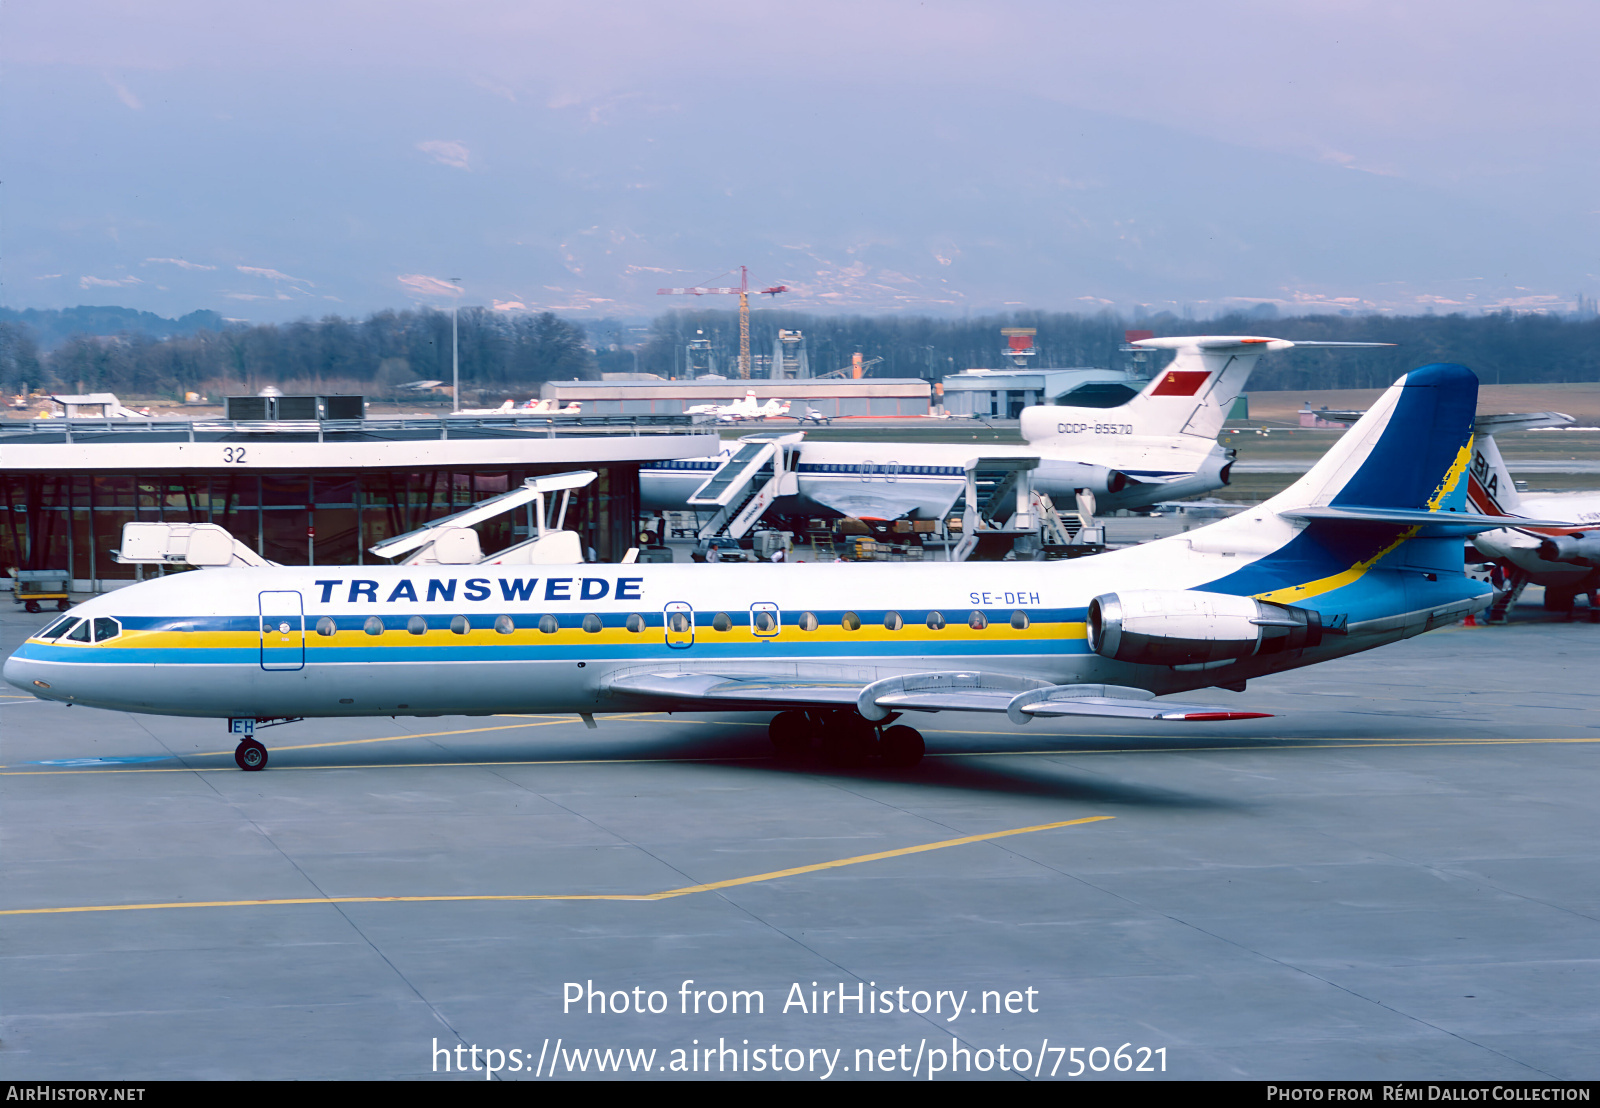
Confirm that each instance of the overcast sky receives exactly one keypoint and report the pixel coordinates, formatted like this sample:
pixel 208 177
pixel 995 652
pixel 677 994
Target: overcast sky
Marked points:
pixel 273 161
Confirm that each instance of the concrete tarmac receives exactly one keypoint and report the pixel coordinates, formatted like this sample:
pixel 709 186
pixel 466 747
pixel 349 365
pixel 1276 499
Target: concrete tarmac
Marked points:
pixel 1395 877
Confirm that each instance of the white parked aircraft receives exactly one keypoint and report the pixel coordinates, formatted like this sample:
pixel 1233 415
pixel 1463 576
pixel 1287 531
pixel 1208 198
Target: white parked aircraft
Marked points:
pixel 504 409
pixel 550 407
pixel 1363 550
pixel 1563 559
pixel 1157 445
pixel 737 411
pixel 531 407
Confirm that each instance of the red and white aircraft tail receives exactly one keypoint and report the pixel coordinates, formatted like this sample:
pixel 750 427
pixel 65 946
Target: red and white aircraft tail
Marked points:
pixel 1490 488
pixel 1192 396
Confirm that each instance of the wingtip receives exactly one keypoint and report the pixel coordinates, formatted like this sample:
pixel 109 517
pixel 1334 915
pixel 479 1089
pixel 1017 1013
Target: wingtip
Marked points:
pixel 1211 717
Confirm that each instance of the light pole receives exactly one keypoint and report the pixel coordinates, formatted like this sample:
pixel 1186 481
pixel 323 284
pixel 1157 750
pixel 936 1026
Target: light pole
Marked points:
pixel 455 351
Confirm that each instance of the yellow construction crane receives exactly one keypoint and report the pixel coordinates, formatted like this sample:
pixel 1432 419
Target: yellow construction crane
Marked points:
pixel 744 311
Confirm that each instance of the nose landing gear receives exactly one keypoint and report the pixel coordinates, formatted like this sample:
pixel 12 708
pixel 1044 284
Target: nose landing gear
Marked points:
pixel 844 739
pixel 250 755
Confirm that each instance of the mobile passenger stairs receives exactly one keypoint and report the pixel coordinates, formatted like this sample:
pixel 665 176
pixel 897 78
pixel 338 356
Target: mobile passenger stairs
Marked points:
pixel 1002 515
pixel 739 493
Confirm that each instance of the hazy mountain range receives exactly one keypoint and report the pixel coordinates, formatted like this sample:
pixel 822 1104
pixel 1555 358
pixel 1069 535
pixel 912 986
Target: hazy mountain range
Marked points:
pixel 348 174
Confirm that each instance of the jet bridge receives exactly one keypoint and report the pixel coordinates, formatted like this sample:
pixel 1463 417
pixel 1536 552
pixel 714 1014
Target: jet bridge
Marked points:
pixel 744 487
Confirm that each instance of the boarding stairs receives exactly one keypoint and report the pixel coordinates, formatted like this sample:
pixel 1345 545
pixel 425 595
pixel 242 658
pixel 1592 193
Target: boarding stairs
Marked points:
pixel 739 493
pixel 997 513
pixel 452 541
pixel 1070 534
pixel 1003 515
pixel 204 545
pixel 449 541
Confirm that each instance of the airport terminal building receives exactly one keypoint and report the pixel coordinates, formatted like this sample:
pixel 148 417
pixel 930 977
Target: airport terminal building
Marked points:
pixel 309 492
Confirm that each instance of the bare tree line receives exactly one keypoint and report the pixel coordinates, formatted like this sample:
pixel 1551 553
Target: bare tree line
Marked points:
pixel 502 352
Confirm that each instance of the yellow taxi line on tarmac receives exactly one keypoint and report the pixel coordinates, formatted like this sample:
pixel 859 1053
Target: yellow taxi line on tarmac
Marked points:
pixel 668 894
pixel 543 722
pixel 1300 744
pixel 1063 751
pixel 403 765
pixel 546 722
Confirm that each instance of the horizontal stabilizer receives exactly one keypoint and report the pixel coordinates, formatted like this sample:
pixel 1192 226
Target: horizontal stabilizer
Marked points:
pixel 1244 342
pixel 1456 523
pixel 1524 421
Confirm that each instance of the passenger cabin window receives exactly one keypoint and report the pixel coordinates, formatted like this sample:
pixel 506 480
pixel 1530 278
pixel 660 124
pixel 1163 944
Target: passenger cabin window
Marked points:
pixel 720 621
pixel 504 625
pixel 1019 621
pixel 548 624
pixel 678 623
pixel 592 624
pixel 977 621
pixel 417 625
pixel 892 621
pixel 765 622
pixel 935 621
pixel 635 623
pixel 373 626
pixel 850 622
pixel 459 625
pixel 808 621
pixel 326 627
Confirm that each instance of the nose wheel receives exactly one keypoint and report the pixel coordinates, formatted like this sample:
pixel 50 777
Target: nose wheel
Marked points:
pixel 250 755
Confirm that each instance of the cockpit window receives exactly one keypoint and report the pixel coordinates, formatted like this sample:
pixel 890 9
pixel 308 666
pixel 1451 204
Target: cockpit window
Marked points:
pixel 80 633
pixel 106 628
pixel 55 629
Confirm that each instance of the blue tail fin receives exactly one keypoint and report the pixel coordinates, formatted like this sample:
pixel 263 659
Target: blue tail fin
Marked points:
pixel 1411 451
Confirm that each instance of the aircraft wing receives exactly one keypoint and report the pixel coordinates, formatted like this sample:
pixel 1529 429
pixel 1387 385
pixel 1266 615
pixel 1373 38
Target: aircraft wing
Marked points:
pixel 1020 698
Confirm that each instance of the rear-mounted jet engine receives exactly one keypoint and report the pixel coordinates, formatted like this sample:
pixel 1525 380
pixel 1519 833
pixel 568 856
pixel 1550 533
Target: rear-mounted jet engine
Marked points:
pixel 1578 550
pixel 1172 628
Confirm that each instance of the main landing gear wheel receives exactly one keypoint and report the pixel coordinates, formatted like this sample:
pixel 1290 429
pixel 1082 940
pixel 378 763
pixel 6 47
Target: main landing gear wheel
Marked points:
pixel 901 747
pixel 1560 599
pixel 790 733
pixel 250 755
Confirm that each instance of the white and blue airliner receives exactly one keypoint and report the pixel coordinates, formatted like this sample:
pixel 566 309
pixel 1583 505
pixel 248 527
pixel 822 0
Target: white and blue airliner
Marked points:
pixel 1365 549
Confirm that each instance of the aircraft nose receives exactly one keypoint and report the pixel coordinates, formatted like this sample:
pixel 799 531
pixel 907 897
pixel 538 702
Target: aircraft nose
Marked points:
pixel 22 672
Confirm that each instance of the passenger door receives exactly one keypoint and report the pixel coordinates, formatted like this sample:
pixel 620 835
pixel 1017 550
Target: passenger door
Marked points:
pixel 283 631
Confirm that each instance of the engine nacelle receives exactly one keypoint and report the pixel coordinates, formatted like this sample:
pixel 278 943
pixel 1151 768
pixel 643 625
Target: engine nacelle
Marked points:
pixel 1578 550
pixel 1178 628
pixel 1058 478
